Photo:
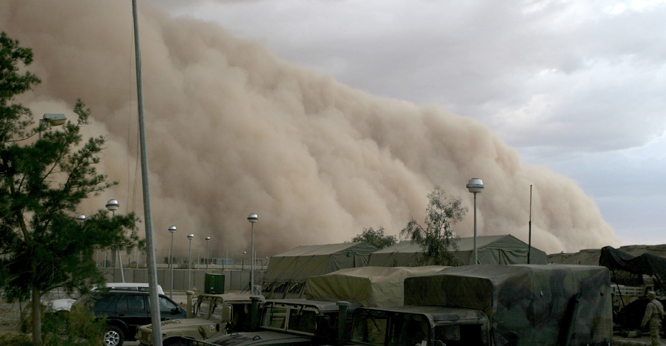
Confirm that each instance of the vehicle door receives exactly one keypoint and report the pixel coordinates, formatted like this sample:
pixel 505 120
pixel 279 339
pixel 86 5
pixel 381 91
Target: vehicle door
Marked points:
pixel 132 308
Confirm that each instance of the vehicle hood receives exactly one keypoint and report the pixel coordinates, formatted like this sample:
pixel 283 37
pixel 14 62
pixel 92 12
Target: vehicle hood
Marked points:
pixel 186 323
pixel 257 338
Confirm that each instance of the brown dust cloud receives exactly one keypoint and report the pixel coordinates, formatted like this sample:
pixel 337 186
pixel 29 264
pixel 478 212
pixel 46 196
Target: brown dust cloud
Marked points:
pixel 232 129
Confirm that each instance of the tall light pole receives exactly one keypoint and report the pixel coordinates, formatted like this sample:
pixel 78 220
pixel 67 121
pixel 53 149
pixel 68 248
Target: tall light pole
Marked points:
pixel 113 205
pixel 207 247
pixel 475 185
pixel 253 218
pixel 172 230
pixel 189 262
pixel 81 219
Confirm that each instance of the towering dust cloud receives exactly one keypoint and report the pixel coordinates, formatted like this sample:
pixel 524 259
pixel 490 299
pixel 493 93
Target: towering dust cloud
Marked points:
pixel 234 130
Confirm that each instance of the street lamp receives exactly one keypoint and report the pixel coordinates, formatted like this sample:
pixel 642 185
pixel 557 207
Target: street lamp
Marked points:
pixel 51 119
pixel 253 218
pixel 475 185
pixel 172 230
pixel 207 247
pixel 113 205
pixel 189 262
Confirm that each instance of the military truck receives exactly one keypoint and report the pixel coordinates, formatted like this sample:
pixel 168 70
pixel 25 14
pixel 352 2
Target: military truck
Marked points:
pixel 214 315
pixel 287 322
pixel 495 305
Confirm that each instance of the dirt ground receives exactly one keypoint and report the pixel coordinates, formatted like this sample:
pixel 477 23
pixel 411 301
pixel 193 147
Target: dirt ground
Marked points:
pixel 9 316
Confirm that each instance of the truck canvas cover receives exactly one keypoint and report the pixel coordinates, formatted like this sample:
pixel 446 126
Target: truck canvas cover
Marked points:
pixel 526 304
pixel 369 286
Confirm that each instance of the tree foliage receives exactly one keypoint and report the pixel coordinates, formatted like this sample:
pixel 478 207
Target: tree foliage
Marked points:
pixel 376 238
pixel 437 239
pixel 42 182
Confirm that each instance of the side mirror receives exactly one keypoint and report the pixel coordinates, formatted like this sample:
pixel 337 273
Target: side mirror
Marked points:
pixel 227 313
pixel 175 311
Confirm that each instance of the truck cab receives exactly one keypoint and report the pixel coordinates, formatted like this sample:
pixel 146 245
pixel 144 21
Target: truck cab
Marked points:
pixel 419 326
pixel 214 315
pixel 285 322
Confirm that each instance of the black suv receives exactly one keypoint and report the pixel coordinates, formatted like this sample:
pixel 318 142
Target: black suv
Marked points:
pixel 125 311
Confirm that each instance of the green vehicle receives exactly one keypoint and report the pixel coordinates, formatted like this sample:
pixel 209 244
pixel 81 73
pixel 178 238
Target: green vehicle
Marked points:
pixel 214 315
pixel 495 305
pixel 287 322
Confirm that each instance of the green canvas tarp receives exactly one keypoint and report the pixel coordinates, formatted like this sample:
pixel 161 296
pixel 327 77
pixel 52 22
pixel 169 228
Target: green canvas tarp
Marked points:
pixel 493 249
pixel 526 304
pixel 286 272
pixel 369 286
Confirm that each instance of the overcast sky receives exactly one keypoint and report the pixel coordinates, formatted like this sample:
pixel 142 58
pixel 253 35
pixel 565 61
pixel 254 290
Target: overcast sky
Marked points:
pixel 577 86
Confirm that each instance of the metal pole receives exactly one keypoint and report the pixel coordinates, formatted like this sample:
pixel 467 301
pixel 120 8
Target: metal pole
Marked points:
pixel 119 251
pixel 529 245
pixel 189 267
pixel 252 262
pixel 476 259
pixel 171 264
pixel 150 243
pixel 207 247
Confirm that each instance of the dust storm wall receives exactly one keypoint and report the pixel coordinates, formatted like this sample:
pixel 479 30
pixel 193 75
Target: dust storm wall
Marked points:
pixel 234 130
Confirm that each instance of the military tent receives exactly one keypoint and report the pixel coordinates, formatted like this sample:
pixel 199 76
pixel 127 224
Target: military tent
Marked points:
pixel 286 272
pixel 369 286
pixel 492 249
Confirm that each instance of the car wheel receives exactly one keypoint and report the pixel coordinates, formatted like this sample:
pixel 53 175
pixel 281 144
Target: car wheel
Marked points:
pixel 114 336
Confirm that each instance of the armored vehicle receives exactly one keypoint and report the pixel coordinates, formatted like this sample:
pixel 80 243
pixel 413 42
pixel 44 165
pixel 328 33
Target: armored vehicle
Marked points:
pixel 495 305
pixel 214 315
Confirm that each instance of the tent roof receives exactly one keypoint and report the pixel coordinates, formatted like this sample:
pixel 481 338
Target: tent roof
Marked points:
pixel 464 244
pixel 327 249
pixel 370 286
pixel 643 264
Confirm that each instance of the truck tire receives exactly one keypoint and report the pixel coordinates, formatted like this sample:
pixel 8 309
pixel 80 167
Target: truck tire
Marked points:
pixel 114 336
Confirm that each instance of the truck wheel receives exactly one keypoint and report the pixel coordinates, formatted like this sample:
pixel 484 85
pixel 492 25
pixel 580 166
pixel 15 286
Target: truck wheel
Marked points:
pixel 114 336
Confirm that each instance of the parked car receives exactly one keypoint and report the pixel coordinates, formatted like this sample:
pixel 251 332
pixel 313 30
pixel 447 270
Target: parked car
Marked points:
pixel 125 311
pixel 66 303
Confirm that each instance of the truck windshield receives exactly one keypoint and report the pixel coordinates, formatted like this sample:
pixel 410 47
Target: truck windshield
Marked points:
pixel 203 308
pixel 384 328
pixel 302 321
pixel 369 327
pixel 408 329
pixel 274 317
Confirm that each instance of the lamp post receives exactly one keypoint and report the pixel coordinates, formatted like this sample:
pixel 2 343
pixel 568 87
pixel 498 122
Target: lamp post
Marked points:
pixel 52 119
pixel 172 230
pixel 113 205
pixel 253 218
pixel 475 185
pixel 207 247
pixel 189 262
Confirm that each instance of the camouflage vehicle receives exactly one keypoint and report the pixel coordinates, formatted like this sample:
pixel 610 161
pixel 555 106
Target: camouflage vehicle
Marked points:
pixel 285 322
pixel 495 305
pixel 214 315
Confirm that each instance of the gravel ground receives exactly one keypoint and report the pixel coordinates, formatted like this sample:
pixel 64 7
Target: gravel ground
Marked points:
pixel 9 316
